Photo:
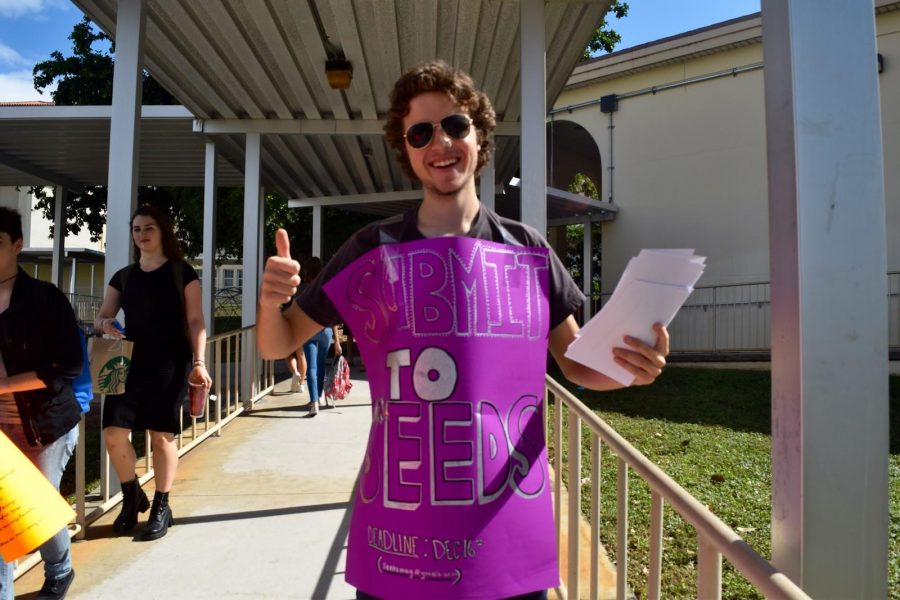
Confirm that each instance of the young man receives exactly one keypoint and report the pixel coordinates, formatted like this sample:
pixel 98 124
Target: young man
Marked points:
pixel 454 308
pixel 40 356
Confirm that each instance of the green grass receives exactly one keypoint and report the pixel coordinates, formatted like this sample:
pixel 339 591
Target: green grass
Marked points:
pixel 709 430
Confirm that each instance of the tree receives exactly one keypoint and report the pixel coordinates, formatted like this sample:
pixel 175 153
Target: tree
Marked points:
pixel 582 184
pixel 86 76
pixel 604 38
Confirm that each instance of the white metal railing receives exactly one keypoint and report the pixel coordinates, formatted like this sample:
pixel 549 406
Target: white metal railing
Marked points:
pixel 240 378
pixel 715 538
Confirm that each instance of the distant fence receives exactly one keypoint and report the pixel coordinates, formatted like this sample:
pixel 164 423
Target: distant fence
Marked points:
pixel 86 309
pixel 737 318
pixel 227 304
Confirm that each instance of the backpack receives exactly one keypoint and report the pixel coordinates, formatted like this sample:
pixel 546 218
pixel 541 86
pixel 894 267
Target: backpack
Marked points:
pixel 337 382
pixel 82 385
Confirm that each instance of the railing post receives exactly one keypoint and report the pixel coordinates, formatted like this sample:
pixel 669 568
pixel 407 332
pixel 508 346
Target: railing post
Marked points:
pixel 709 571
pixel 80 483
pixel 557 470
pixel 715 320
pixel 574 502
pixel 656 536
pixel 595 516
pixel 622 530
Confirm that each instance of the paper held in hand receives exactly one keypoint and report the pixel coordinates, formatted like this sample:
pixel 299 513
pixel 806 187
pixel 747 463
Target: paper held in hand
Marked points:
pixel 31 510
pixel 653 287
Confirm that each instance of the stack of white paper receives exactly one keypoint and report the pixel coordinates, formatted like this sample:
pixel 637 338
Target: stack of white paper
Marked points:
pixel 653 287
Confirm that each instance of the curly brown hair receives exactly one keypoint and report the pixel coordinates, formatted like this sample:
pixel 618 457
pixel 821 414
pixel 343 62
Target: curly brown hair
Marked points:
pixel 438 76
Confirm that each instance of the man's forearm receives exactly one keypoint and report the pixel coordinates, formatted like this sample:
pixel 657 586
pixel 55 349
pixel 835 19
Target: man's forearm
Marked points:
pixel 274 335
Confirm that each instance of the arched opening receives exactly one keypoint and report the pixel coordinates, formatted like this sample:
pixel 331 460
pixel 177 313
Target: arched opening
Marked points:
pixel 571 149
pixel 575 165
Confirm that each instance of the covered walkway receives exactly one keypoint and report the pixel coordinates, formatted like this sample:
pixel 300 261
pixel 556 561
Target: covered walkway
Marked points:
pixel 260 512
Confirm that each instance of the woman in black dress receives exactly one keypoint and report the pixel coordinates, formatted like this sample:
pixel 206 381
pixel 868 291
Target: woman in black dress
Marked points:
pixel 167 328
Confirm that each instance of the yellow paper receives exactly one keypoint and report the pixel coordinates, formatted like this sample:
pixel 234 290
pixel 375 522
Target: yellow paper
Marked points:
pixel 31 510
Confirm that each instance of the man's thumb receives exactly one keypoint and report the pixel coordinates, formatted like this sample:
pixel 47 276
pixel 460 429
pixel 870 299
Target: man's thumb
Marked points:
pixel 282 244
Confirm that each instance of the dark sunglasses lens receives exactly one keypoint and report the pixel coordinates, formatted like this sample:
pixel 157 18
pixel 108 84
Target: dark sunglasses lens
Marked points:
pixel 456 126
pixel 419 135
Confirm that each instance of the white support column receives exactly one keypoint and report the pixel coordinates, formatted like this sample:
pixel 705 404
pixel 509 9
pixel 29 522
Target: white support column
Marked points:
pixel 124 137
pixel 73 275
pixel 59 236
pixel 252 201
pixel 251 228
pixel 488 183
pixel 260 265
pixel 829 289
pixel 586 269
pixel 124 132
pixel 208 282
pixel 317 226
pixel 261 234
pixel 533 137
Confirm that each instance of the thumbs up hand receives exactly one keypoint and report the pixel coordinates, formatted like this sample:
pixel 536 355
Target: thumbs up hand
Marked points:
pixel 281 275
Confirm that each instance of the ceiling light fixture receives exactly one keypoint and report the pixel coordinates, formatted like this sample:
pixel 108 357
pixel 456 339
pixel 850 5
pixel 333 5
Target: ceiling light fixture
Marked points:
pixel 339 73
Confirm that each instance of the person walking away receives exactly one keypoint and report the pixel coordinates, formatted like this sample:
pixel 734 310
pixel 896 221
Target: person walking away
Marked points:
pixel 40 356
pixel 160 295
pixel 316 348
pixel 296 362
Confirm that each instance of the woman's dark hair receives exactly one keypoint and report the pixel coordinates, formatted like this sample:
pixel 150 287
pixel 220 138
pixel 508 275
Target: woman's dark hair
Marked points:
pixel 11 223
pixel 312 266
pixel 438 76
pixel 170 246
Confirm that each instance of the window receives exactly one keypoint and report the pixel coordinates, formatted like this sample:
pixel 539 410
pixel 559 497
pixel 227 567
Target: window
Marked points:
pixel 227 278
pixel 240 278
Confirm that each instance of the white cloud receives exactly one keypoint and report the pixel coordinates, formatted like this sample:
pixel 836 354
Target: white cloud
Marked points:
pixel 11 57
pixel 18 86
pixel 17 8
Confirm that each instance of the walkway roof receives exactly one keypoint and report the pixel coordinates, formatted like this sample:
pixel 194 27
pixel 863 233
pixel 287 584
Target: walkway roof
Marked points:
pixel 69 145
pixel 260 67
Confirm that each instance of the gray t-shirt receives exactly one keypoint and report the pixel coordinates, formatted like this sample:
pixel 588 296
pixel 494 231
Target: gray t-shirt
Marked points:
pixel 565 297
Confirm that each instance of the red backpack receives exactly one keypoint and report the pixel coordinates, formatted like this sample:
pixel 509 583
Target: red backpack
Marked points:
pixel 337 382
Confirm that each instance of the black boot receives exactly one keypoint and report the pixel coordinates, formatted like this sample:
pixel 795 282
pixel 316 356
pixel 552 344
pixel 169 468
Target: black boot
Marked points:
pixel 160 518
pixel 134 500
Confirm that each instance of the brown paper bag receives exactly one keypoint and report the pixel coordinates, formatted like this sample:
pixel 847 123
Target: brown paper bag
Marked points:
pixel 110 360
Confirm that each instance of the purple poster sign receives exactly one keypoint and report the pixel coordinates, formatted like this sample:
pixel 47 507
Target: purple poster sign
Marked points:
pixel 454 498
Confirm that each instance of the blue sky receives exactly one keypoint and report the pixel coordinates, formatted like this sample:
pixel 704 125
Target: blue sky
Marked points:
pixel 31 29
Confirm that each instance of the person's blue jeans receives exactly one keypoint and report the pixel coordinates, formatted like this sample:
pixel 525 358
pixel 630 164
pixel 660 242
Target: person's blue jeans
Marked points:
pixel 51 460
pixel 316 351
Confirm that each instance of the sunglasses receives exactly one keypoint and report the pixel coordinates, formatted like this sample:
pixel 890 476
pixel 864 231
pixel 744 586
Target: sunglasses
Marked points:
pixel 456 126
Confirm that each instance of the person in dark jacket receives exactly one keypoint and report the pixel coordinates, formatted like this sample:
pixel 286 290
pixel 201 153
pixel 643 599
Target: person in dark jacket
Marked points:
pixel 40 355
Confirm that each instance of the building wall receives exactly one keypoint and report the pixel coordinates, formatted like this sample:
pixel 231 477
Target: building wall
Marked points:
pixel 690 162
pixel 36 234
pixel 19 200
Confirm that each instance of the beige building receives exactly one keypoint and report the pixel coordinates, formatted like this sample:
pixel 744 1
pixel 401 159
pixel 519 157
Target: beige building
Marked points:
pixel 683 156
pixel 84 258
pixel 679 146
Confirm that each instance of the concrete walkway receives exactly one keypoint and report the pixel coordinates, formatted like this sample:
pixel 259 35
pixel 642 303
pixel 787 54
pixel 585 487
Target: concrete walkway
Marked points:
pixel 260 512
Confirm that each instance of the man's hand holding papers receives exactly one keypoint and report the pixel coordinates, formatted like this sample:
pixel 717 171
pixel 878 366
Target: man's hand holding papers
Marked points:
pixel 653 287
